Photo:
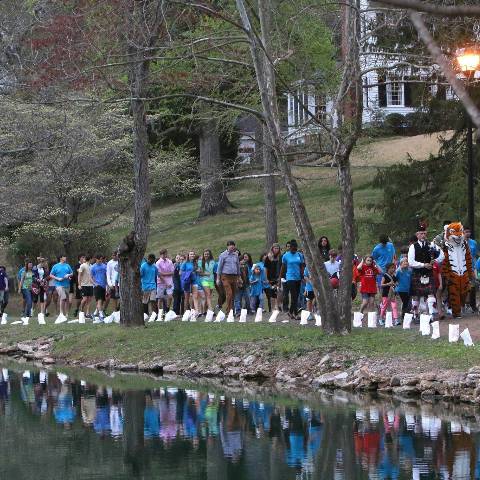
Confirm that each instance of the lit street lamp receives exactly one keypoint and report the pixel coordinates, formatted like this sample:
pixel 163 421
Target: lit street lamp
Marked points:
pixel 469 62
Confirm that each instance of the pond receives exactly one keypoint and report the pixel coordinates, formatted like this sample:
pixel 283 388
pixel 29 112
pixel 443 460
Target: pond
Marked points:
pixel 59 425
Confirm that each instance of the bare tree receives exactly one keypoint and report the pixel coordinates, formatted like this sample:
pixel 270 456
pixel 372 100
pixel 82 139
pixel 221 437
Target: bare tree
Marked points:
pixel 145 22
pixel 266 80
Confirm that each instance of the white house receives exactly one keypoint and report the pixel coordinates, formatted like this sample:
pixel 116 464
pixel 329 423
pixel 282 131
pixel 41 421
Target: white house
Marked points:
pixel 390 86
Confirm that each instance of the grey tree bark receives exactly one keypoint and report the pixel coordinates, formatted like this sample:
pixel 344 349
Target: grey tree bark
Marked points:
pixel 213 195
pixel 145 16
pixel 265 74
pixel 266 158
pixel 349 110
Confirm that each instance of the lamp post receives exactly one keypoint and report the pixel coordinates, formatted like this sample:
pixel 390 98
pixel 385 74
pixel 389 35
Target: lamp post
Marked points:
pixel 469 62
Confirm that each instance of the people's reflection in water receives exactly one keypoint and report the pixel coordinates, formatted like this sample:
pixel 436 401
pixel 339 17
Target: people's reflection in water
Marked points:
pixel 384 441
pixel 4 390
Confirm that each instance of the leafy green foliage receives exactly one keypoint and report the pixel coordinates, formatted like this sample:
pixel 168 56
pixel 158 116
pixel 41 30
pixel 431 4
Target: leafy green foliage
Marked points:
pixel 434 189
pixel 68 173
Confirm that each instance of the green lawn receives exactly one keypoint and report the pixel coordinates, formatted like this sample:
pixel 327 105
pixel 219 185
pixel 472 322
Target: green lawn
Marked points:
pixel 191 342
pixel 175 226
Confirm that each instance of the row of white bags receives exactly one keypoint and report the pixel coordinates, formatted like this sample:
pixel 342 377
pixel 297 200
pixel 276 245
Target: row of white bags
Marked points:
pixel 426 328
pixel 192 316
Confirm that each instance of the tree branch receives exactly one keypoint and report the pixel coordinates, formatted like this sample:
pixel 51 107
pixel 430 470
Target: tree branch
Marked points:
pixel 438 56
pixel 441 10
pixel 201 98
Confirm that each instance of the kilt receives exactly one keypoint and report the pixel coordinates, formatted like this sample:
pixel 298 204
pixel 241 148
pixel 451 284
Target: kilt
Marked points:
pixel 417 289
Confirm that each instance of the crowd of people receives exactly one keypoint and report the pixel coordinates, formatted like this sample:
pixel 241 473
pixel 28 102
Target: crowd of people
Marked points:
pixel 234 282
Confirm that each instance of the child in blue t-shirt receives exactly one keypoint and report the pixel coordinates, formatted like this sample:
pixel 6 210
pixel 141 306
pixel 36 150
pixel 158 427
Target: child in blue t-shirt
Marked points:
pixel 257 283
pixel 310 296
pixel 404 280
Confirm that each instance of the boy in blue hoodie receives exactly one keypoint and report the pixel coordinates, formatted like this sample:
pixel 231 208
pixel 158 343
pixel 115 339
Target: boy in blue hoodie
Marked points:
pixel 257 284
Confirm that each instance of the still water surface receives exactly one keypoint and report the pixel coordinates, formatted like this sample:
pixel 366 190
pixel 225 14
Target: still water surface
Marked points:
pixel 56 427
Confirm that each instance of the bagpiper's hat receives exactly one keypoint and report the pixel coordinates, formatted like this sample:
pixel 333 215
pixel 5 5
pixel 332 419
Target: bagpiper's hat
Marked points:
pixel 422 226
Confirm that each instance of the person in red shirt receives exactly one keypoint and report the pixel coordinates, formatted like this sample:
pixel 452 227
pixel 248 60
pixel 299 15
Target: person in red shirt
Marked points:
pixel 367 275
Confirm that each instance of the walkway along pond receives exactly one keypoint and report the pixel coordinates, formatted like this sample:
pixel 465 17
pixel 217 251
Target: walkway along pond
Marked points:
pixel 59 424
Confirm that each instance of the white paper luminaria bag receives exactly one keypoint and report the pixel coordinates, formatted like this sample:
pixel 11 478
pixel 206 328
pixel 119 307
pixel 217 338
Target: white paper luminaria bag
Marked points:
pixel 372 319
pixel 243 315
pixel 425 324
pixel 258 315
pixel 435 330
pixel 304 314
pixel 466 337
pixel 453 333
pixel 407 320
pixel 357 319
pixel 273 316
pixel 171 315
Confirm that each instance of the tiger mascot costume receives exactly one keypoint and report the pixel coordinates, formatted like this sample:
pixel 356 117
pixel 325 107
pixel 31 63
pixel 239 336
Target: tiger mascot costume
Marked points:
pixel 457 266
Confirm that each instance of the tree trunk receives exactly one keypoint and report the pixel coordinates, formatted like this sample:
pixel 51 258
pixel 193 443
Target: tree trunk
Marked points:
pixel 265 153
pixel 351 112
pixel 348 246
pixel 132 248
pixel 213 196
pixel 266 84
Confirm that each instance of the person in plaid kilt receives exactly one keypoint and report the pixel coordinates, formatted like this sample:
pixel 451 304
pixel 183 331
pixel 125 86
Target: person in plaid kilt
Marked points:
pixel 421 256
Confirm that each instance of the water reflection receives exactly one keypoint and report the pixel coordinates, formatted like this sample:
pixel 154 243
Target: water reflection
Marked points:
pixel 80 430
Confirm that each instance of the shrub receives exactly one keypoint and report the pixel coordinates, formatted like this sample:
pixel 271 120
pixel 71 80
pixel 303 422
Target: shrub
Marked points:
pixel 395 123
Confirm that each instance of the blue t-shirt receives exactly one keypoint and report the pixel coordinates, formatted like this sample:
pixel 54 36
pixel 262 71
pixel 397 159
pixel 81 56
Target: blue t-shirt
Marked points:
pixel 383 254
pixel 148 276
pixel 308 285
pixel 20 273
pixel 473 247
pixel 292 262
pixel 98 271
pixel 60 270
pixel 404 280
pixel 477 266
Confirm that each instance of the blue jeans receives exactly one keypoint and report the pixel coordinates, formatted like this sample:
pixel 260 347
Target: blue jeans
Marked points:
pixel 27 296
pixel 256 302
pixel 242 294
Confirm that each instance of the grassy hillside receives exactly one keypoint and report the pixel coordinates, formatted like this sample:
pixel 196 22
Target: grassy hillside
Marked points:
pixel 175 225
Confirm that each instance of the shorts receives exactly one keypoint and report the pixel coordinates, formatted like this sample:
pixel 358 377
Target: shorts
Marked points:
pixel 71 288
pixel 99 293
pixel 62 292
pixel 208 284
pixel 2 295
pixel 86 291
pixel 367 296
pixel 149 296
pixel 51 289
pixel 78 292
pixel 164 290
pixel 310 295
pixel 39 297
pixel 113 293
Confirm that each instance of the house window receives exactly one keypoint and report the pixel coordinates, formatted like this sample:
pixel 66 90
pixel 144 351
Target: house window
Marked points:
pixel 320 107
pixel 394 93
